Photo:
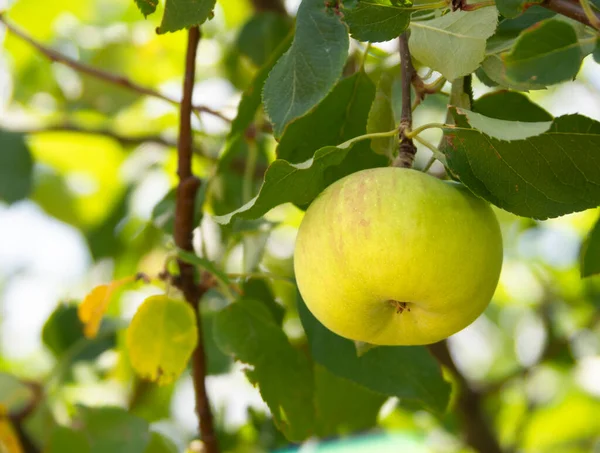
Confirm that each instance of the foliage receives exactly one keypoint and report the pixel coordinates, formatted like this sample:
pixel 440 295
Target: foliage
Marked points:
pixel 286 103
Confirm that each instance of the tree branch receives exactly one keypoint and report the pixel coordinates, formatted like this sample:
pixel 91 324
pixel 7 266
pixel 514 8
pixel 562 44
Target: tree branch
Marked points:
pixel 570 9
pixel 407 151
pixel 477 431
pixel 183 230
pixel 108 77
pixel 275 6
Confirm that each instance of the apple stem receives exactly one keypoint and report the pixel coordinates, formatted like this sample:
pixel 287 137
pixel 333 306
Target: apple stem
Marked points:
pixel 407 149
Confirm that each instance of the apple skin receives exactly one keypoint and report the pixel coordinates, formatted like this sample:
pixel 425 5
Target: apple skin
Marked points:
pixel 392 256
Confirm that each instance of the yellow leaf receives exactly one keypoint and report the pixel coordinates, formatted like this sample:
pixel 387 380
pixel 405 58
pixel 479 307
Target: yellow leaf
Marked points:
pixel 9 442
pixel 95 304
pixel 161 338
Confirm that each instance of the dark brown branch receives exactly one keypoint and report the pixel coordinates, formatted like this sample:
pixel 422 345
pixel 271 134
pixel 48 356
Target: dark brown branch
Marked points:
pixel 476 428
pixel 275 6
pixel 108 77
pixel 407 151
pixel 569 9
pixel 183 230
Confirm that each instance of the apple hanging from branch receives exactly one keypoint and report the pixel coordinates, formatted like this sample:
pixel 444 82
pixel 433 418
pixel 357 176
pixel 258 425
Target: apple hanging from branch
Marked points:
pixel 393 256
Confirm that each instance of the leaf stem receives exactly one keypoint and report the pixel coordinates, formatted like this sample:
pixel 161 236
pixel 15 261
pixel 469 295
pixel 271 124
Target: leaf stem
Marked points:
pixel 426 6
pixel 589 13
pixel 424 127
pixel 352 141
pixel 437 154
pixel 182 231
pixel 109 77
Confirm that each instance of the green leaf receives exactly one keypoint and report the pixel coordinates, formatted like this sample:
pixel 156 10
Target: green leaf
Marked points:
pixel 381 117
pixel 510 106
pixel 63 335
pixel 163 213
pixel 590 253
pixel 247 331
pixel 258 289
pixel 16 165
pixel 261 35
pixel 454 44
pixel 160 444
pixel 14 394
pixel 204 263
pixel 62 329
pixel 310 68
pixel 493 67
pixel 408 372
pixel 514 8
pixel 180 14
pixel 112 429
pixel 342 115
pixel 548 175
pixel 285 182
pixel 596 53
pixel 147 7
pixel 67 440
pixel 503 129
pixel 217 362
pixel 377 20
pixel 161 338
pixel 342 406
pixel 546 53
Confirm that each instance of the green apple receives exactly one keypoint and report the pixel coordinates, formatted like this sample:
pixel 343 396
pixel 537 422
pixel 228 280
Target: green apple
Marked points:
pixel 392 256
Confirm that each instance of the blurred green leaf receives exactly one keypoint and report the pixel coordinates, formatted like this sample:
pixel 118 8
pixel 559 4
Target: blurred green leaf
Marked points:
pixel 258 289
pixel 558 175
pixel 14 393
pixel 261 35
pixel 381 117
pixel 248 331
pixel 590 252
pixel 377 20
pixel 310 68
pixel 147 6
pixel 461 34
pixel 67 440
pixel 343 406
pixel 217 362
pixel 163 213
pixel 204 263
pixel 510 106
pixel 180 14
pixel 112 429
pixel 16 165
pixel 63 335
pixel 408 372
pixel 546 53
pixel 160 444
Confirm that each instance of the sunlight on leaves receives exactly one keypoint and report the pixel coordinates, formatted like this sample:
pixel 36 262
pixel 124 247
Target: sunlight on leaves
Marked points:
pixel 161 338
pixel 95 304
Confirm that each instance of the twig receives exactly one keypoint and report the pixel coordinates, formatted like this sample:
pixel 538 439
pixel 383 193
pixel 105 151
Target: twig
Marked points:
pixel 108 77
pixel 183 230
pixel 569 9
pixel 407 150
pixel 477 430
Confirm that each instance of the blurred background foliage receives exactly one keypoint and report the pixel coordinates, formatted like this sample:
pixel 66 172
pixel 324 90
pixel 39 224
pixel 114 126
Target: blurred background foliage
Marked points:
pixel 91 201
